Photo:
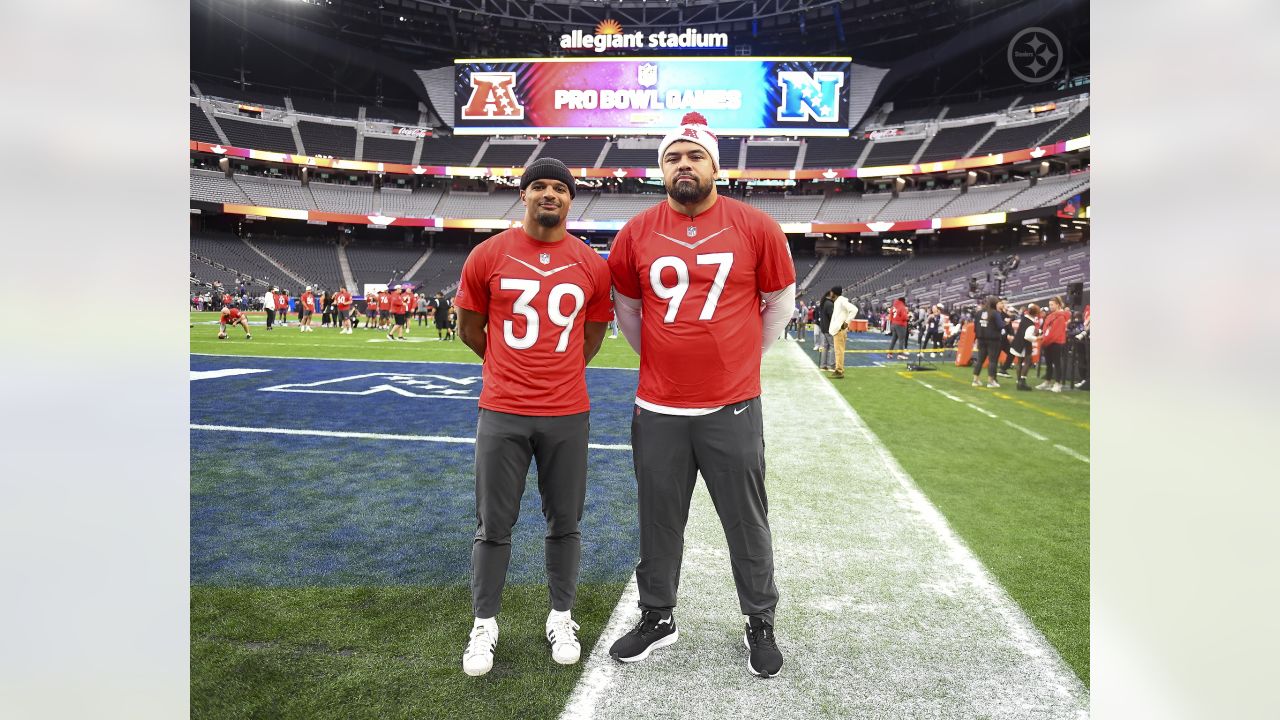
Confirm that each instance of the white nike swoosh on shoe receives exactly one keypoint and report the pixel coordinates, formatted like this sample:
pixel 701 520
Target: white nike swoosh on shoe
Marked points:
pixel 543 273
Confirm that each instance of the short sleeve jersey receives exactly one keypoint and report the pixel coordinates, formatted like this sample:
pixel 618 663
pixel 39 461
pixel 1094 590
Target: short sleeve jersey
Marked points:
pixel 230 315
pixel 384 301
pixel 538 297
pixel 699 282
pixel 397 303
pixel 342 300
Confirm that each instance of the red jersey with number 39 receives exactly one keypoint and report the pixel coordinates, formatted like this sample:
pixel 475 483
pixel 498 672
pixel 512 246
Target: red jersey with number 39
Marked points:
pixel 537 297
pixel 699 282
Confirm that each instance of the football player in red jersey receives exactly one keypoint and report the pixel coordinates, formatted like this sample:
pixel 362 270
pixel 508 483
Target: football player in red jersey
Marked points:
pixel 306 306
pixel 342 301
pixel 395 301
pixel 231 315
pixel 690 277
pixel 534 304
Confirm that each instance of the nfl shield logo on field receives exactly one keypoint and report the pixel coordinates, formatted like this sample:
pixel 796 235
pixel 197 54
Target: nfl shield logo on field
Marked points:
pixel 648 75
pixel 691 231
pixel 544 258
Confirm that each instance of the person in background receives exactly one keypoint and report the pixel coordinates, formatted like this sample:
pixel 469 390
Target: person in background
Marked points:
pixel 396 303
pixel 827 351
pixel 306 306
pixel 842 313
pixel 989 326
pixel 442 316
pixel 269 304
pixel 1082 351
pixel 1024 342
pixel 1053 342
pixel 899 319
pixel 421 306
pixel 342 306
pixel 232 316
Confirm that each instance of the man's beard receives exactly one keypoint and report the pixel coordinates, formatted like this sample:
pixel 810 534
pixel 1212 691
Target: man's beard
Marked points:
pixel 546 218
pixel 689 193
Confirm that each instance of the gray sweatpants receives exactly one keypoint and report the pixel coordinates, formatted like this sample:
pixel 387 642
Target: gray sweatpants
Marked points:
pixel 505 444
pixel 727 447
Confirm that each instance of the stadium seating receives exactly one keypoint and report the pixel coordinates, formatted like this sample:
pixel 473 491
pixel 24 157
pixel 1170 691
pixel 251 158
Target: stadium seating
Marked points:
pixel 378 148
pixel 574 152
pixel 233 254
pixel 850 207
pixel 337 141
pixel 916 205
pixel 202 127
pixel 978 107
pixel 619 157
pixel 381 263
pixel 325 107
pixel 848 270
pixel 954 142
pixel 281 193
pixel 443 269
pixel 1015 137
pixel 772 155
pixel 477 204
pixel 1077 126
pixel 407 115
pixel 342 198
pixel 730 152
pixel 980 199
pixel 315 261
pixel 614 206
pixel 274 137
pixel 249 94
pixel 825 152
pixel 917 114
pixel 507 154
pixel 1047 191
pixel 213 186
pixel 897 152
pixel 449 150
pixel 784 208
pixel 405 203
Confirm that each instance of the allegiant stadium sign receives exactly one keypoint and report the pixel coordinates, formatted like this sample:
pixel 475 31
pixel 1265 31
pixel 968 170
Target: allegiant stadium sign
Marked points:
pixel 609 36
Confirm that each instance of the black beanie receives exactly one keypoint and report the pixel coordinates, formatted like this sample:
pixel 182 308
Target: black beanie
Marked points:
pixel 837 290
pixel 548 168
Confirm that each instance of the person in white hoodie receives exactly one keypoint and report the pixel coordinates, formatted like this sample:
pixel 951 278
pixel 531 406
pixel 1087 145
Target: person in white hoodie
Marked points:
pixel 841 315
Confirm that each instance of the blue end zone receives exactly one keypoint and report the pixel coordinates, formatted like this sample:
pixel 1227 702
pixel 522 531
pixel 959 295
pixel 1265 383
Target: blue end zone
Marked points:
pixel 278 510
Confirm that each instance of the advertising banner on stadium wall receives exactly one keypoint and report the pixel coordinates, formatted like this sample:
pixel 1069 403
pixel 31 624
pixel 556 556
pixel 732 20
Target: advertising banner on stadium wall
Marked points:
pixel 648 96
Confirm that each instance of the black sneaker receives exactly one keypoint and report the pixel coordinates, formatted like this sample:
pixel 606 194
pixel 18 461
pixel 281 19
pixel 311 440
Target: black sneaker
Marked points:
pixel 765 659
pixel 652 632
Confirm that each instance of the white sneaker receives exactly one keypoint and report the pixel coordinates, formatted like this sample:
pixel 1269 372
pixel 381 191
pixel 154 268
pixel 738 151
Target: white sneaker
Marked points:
pixel 1044 385
pixel 1057 387
pixel 993 384
pixel 562 633
pixel 478 657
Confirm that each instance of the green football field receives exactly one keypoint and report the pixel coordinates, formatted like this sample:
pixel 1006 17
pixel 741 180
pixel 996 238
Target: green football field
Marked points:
pixel 293 616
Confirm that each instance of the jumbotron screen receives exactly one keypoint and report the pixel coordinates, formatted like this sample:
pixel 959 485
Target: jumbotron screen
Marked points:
pixel 648 96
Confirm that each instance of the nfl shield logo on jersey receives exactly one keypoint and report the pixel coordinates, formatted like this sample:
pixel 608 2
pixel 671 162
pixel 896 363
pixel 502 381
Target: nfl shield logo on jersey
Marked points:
pixel 691 231
pixel 544 258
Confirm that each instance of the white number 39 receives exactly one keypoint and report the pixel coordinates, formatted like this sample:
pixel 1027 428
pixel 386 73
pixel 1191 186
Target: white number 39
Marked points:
pixel 528 291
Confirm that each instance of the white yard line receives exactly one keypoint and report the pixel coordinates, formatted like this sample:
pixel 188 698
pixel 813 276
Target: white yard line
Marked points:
pixel 366 435
pixel 364 360
pixel 225 372
pixel 885 613
pixel 988 413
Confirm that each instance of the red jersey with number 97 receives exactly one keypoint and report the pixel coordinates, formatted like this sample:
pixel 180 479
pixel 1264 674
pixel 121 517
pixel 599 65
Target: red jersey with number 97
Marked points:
pixel 537 297
pixel 699 282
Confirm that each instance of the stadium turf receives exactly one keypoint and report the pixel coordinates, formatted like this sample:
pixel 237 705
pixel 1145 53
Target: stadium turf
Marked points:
pixel 278 633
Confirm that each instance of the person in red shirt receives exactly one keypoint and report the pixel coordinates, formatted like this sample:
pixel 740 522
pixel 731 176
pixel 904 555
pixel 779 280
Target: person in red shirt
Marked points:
pixel 1052 343
pixel 342 301
pixel 384 310
pixel 306 306
pixel 282 307
pixel 899 319
pixel 231 315
pixel 534 305
pixel 690 278
pixel 396 303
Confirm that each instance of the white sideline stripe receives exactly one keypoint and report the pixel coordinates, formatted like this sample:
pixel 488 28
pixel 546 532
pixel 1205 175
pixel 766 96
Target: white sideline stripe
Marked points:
pixel 1032 433
pixel 988 413
pixel 367 435
pixel 1072 453
pixel 226 372
pixel 429 362
pixel 597 674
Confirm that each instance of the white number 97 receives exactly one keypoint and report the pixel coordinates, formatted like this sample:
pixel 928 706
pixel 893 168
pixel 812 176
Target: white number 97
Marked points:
pixel 674 294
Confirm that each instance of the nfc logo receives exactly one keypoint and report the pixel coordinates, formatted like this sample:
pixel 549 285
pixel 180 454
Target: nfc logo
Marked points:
pixel 810 97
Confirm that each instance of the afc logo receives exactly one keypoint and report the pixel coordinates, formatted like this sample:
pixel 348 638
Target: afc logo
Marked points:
pixel 492 97
pixel 808 97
